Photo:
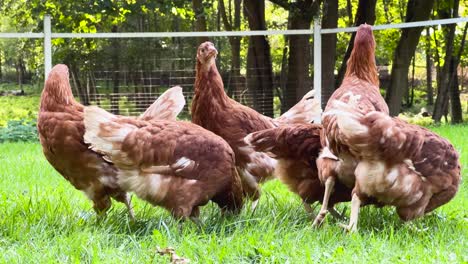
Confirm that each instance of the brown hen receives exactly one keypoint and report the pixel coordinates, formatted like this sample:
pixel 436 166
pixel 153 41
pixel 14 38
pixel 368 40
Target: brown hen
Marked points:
pixel 296 147
pixel 337 163
pixel 399 164
pixel 385 160
pixel 215 111
pixel 61 129
pixel 177 165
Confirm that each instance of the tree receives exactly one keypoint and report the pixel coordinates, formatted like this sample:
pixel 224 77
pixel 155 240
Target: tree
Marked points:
pixel 430 92
pixel 417 10
pixel 234 85
pixel 448 89
pixel 329 20
pixel 259 70
pixel 200 20
pixel 301 13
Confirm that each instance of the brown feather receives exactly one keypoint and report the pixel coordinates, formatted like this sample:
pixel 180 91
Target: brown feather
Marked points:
pixel 297 147
pixel 400 164
pixel 135 145
pixel 215 111
pixel 61 129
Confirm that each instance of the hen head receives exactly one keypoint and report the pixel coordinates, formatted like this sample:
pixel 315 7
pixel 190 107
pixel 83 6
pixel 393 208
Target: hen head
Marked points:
pixel 365 37
pixel 206 55
pixel 57 88
pixel 59 73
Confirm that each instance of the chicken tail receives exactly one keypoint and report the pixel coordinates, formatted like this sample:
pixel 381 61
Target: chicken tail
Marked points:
pixel 361 63
pixel 375 133
pixel 288 141
pixel 167 106
pixel 306 110
pixel 262 141
pixel 103 133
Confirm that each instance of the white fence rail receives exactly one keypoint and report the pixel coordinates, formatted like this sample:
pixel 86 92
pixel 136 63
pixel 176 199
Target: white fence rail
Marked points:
pixel 316 31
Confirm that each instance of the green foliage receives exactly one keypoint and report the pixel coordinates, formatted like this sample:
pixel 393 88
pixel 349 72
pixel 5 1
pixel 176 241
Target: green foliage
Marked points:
pixel 18 108
pixel 417 119
pixel 20 130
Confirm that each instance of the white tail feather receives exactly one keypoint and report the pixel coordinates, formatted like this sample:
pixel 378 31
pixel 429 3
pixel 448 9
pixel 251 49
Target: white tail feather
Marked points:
pixel 167 106
pixel 306 110
pixel 104 140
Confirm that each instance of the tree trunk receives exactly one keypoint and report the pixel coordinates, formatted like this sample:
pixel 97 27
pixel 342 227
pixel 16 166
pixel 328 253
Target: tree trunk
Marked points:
pixel 365 14
pixel 430 92
pixel 410 100
pixel 299 80
pixel 444 90
pixel 329 20
pixel 200 20
pixel 456 107
pixel 454 93
pixel 417 10
pixel 116 74
pixel 283 75
pixel 19 73
pixel 259 69
pixel 234 84
pixel 349 12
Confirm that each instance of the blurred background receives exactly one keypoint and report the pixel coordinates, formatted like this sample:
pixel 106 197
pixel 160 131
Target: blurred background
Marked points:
pixel 423 71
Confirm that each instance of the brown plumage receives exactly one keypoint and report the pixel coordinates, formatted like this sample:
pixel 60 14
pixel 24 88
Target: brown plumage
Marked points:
pixel 399 164
pixel 296 147
pixel 215 111
pixel 387 161
pixel 61 129
pixel 337 163
pixel 203 163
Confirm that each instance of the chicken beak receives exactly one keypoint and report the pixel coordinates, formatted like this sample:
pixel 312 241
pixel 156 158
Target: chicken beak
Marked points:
pixel 213 52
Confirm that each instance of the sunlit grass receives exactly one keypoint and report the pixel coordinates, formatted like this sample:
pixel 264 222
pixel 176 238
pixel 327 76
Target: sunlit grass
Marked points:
pixel 44 219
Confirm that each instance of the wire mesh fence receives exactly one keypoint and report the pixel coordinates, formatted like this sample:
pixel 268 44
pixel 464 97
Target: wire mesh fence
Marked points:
pixel 126 75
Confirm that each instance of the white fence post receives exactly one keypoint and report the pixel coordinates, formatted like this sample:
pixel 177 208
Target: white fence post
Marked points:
pixel 317 64
pixel 47 46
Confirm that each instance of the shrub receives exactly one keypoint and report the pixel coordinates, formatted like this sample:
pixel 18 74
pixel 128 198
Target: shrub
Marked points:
pixel 18 108
pixel 18 130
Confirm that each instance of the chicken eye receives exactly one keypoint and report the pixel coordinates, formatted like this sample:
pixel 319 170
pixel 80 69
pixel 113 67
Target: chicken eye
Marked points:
pixel 202 50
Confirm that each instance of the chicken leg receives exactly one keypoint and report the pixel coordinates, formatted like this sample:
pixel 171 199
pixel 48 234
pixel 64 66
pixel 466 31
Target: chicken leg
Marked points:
pixel 128 204
pixel 329 184
pixel 353 220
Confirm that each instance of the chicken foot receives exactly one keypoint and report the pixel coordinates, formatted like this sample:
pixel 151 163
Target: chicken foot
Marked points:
pixel 128 204
pixel 353 220
pixel 329 184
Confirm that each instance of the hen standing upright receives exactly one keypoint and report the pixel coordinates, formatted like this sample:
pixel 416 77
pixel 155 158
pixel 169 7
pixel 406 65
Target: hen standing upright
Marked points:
pixel 399 164
pixel 392 162
pixel 61 129
pixel 215 111
pixel 361 79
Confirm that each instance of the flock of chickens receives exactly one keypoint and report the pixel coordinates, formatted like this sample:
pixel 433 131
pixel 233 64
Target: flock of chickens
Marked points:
pixel 359 153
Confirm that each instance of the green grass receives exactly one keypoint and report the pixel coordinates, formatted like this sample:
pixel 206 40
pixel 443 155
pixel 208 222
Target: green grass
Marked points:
pixel 44 219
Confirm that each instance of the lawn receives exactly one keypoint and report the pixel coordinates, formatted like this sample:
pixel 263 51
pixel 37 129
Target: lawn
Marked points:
pixel 44 219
